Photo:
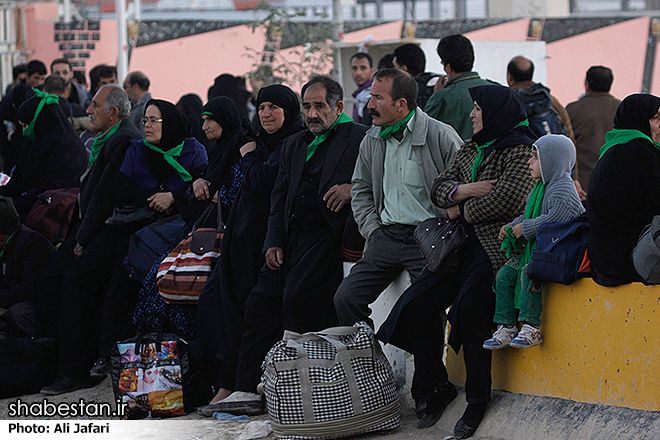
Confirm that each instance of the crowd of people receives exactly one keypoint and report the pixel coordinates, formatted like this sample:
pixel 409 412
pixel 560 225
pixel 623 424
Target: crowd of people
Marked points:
pixel 301 188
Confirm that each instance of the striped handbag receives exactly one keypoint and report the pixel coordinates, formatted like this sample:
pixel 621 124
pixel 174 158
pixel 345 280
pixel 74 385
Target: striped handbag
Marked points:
pixel 183 274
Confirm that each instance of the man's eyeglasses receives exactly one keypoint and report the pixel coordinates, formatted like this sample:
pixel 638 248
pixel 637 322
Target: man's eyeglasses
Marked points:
pixel 152 121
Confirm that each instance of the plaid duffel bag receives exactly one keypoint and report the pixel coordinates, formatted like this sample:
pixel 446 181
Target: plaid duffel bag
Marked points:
pixel 329 384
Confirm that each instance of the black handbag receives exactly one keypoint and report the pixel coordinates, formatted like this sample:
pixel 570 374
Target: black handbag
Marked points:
pixel 439 239
pixel 149 243
pixel 130 214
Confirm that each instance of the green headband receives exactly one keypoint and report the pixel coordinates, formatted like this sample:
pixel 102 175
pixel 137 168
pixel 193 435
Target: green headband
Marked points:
pixel 46 98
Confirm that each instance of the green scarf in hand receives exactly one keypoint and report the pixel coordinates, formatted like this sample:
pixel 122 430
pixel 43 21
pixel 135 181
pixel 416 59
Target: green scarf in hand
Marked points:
pixel 321 137
pixel 512 244
pixel 170 156
pixel 387 132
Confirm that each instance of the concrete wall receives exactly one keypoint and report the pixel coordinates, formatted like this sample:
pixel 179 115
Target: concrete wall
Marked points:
pixel 528 8
pixel 601 345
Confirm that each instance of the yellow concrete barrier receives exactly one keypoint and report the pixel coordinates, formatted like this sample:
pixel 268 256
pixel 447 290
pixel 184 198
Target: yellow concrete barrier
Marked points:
pixel 601 345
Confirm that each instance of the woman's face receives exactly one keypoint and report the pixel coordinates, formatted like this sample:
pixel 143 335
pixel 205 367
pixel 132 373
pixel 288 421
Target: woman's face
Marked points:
pixel 654 122
pixel 211 128
pixel 477 119
pixel 153 125
pixel 271 116
pixel 150 376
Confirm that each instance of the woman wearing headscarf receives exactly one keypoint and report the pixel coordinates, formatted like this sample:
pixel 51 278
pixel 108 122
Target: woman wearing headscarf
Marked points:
pixel 155 177
pixel 624 190
pixel 486 186
pixel 220 181
pixel 242 259
pixel 11 146
pixel 191 106
pixel 232 87
pixel 223 125
pixel 154 181
pixel 53 155
pixel 158 170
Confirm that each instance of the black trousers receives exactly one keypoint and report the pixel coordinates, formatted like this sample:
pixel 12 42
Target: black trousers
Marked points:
pixel 21 319
pixel 83 296
pixel 298 298
pixel 118 308
pixel 470 294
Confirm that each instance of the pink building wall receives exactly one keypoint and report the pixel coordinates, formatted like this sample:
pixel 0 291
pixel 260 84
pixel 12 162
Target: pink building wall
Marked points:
pixel 383 32
pixel 512 31
pixel 42 45
pixel 655 82
pixel 621 47
pixel 190 64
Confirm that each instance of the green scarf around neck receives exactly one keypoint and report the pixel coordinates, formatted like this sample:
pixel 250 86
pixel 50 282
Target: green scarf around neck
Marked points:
pixel 481 151
pixel 170 156
pixel 2 253
pixel 387 132
pixel 46 99
pixel 99 142
pixel 620 136
pixel 512 244
pixel 321 137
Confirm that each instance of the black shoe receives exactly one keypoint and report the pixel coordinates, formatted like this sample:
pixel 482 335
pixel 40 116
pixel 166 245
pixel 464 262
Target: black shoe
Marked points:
pixel 463 430
pixel 470 420
pixel 420 408
pixel 100 369
pixel 61 386
pixel 436 405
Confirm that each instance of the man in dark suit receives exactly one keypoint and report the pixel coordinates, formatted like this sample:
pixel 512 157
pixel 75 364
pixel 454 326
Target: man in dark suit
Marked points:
pixel 83 263
pixel 309 209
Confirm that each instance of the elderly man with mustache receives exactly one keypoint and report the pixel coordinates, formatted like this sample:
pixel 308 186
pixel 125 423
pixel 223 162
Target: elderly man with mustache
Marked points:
pixel 310 204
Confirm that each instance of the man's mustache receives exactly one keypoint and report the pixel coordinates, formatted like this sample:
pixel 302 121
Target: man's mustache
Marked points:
pixel 314 121
pixel 374 113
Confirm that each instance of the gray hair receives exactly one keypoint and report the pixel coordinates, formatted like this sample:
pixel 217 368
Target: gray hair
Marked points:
pixel 333 91
pixel 117 97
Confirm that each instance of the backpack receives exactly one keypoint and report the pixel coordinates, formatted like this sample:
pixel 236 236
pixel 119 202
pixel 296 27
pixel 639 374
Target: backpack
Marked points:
pixel 559 252
pixel 52 213
pixel 424 89
pixel 543 119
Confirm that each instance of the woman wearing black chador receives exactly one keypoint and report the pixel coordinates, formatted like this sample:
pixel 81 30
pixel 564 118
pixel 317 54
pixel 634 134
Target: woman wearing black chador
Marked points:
pixel 242 257
pixel 624 190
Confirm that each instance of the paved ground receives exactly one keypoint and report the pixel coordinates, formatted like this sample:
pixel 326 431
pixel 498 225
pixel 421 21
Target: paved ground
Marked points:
pixel 214 430
pixel 508 417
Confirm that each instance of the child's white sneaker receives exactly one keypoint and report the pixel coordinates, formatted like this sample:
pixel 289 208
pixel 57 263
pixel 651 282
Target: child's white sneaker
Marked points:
pixel 501 338
pixel 529 336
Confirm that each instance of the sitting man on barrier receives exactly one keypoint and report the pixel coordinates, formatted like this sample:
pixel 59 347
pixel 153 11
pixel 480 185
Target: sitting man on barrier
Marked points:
pixel 309 211
pixel 399 159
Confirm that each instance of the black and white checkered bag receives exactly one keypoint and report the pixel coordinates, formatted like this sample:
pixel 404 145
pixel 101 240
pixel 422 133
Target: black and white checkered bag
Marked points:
pixel 329 384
